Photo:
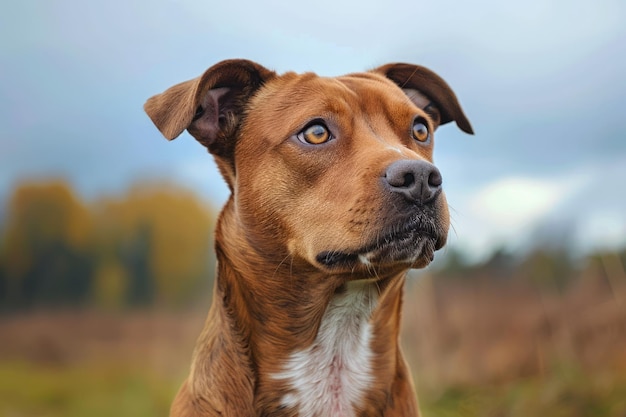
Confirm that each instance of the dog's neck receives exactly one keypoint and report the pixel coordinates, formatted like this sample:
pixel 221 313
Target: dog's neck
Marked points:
pixel 295 329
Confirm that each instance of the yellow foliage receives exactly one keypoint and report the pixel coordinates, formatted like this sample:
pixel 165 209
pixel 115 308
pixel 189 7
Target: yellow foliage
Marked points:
pixel 151 244
pixel 179 229
pixel 110 284
pixel 43 213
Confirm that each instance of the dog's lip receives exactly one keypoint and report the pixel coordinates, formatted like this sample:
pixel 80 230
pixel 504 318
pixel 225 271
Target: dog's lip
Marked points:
pixel 413 240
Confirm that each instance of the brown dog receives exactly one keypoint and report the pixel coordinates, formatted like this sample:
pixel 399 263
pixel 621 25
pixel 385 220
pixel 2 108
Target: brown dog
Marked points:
pixel 333 198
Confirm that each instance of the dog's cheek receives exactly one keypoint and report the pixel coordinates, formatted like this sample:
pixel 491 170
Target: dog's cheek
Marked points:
pixel 260 206
pixel 274 203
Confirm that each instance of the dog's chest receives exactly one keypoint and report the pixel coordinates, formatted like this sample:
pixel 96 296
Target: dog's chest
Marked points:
pixel 332 375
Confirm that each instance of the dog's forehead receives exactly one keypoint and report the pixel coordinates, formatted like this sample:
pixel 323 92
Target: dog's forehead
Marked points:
pixel 356 86
pixel 295 99
pixel 359 81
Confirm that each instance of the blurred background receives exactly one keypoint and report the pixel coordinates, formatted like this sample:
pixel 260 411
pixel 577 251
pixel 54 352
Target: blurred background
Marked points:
pixel 106 260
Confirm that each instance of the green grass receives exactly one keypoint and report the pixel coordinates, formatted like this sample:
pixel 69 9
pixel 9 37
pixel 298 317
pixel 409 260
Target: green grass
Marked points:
pixel 565 392
pixel 99 390
pixel 91 390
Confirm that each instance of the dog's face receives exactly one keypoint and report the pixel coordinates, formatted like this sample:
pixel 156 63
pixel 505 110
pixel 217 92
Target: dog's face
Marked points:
pixel 335 172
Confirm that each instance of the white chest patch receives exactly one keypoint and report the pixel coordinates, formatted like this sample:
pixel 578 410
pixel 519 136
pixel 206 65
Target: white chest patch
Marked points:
pixel 331 376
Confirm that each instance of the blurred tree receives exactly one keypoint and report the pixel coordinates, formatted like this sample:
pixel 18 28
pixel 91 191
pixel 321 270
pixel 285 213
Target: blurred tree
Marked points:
pixel 453 265
pixel 3 282
pixel 549 268
pixel 501 265
pixel 110 286
pixel 135 254
pixel 161 236
pixel 46 246
pixel 151 245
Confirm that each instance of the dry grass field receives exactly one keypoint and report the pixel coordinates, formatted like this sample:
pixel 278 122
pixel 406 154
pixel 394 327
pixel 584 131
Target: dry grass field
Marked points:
pixel 477 349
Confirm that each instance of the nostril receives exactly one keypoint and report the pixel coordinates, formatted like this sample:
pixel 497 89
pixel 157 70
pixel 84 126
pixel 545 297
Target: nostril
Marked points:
pixel 434 178
pixel 409 179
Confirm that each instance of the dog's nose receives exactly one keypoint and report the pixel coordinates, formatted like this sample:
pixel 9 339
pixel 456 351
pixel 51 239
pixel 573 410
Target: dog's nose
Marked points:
pixel 418 181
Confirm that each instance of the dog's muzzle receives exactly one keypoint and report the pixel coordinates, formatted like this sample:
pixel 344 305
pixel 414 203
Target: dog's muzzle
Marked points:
pixel 412 232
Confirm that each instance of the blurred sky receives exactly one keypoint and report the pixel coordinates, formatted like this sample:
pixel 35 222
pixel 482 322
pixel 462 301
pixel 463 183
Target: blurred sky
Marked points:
pixel 543 83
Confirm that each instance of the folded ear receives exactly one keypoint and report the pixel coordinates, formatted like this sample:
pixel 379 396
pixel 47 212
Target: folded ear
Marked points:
pixel 210 107
pixel 429 92
pixel 206 105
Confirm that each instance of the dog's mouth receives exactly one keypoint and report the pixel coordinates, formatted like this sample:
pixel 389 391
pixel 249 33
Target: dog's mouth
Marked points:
pixel 413 243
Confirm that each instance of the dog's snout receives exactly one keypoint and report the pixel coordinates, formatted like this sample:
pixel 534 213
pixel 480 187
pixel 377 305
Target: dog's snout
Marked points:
pixel 418 181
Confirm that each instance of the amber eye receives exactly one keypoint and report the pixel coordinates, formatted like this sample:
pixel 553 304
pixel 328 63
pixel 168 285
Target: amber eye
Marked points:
pixel 420 131
pixel 315 134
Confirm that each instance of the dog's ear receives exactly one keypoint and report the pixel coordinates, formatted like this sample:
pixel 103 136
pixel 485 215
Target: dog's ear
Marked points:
pixel 208 105
pixel 429 92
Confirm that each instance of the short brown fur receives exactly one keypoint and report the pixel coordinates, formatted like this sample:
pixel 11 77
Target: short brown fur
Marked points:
pixel 301 218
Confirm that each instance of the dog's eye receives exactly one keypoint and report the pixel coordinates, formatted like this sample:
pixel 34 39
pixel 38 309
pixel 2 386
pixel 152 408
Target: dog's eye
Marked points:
pixel 420 131
pixel 315 134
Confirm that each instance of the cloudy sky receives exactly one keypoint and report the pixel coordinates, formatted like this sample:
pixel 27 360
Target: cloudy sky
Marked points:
pixel 543 83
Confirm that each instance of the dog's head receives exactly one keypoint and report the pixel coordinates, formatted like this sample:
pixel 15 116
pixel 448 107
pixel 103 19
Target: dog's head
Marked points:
pixel 336 172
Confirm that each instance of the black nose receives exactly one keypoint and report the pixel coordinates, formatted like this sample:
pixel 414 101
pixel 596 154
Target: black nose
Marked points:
pixel 419 181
